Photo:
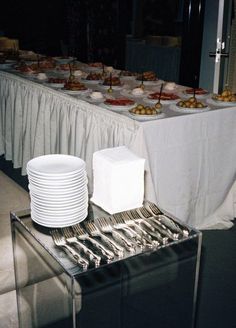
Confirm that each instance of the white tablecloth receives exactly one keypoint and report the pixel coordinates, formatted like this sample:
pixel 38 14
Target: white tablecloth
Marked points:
pixel 190 158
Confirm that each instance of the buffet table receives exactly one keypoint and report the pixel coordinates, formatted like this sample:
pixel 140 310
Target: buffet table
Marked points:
pixel 190 158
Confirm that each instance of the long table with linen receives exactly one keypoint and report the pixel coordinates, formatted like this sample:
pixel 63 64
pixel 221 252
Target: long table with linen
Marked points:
pixel 190 158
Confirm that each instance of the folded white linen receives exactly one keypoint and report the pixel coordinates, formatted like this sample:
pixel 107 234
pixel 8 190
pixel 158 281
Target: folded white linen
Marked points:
pixel 118 179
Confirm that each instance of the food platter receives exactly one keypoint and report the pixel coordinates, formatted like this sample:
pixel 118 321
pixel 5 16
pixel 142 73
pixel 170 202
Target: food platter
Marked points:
pixel 180 109
pixel 128 93
pixel 55 82
pixel 147 83
pixel 119 104
pixel 114 87
pixel 199 93
pixel 91 81
pixel 75 92
pixel 141 118
pixel 88 98
pixel 215 102
pixel 64 60
pixel 166 98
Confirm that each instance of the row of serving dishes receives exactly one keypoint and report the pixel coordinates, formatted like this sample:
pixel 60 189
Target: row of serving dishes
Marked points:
pixel 139 94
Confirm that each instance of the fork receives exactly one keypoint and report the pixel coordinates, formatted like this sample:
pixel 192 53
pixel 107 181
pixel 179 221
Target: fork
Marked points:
pixel 168 221
pixel 163 229
pixel 72 239
pixel 83 235
pixel 105 225
pixel 134 214
pixel 157 224
pixel 144 212
pixel 154 209
pixel 60 241
pixel 119 224
pixel 148 226
pixel 130 222
pixel 95 231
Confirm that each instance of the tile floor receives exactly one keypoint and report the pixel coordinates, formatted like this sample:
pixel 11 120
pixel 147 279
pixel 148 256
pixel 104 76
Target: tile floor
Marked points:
pixel 12 198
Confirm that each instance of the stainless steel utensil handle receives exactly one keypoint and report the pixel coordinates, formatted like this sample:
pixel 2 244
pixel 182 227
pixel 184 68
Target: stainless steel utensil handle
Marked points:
pixel 79 259
pixel 92 256
pixel 133 234
pixel 171 233
pixel 147 224
pixel 144 234
pixel 120 237
pixel 160 239
pixel 117 249
pixel 105 251
pixel 173 225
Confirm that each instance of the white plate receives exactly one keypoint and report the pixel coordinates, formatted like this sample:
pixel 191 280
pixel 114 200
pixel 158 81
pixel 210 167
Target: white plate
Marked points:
pixel 92 100
pixel 221 103
pixel 163 102
pixel 128 78
pixel 114 87
pixel 56 177
pixel 75 92
pixel 65 222
pixel 91 81
pixel 63 207
pixel 128 93
pixel 188 110
pixel 62 186
pixel 79 177
pixel 56 164
pixel 63 60
pixel 54 199
pixel 56 192
pixel 56 187
pixel 63 216
pixel 46 217
pixel 65 181
pixel 66 210
pixel 146 117
pixel 156 83
pixel 93 69
pixel 184 94
pixel 63 199
pixel 58 224
pixel 54 85
pixel 118 108
pixel 59 204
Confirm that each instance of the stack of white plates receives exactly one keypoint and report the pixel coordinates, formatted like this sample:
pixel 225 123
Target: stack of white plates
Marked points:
pixel 58 190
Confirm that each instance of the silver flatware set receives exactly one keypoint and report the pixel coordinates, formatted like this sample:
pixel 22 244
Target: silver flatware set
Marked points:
pixel 108 238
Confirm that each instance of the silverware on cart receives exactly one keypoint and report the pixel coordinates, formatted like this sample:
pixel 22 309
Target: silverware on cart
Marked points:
pixel 60 241
pixel 144 212
pixel 82 234
pixel 104 224
pixel 129 220
pixel 119 224
pixel 168 222
pixel 139 218
pixel 72 239
pixel 154 209
pixel 157 225
pixel 149 227
pixel 95 232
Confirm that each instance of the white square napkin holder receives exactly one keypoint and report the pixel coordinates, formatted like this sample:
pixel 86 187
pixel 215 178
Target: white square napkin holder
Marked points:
pixel 118 179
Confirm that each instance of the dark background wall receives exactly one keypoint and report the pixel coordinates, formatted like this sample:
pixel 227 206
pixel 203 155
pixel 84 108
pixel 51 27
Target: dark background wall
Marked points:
pixel 96 30
pixel 90 30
